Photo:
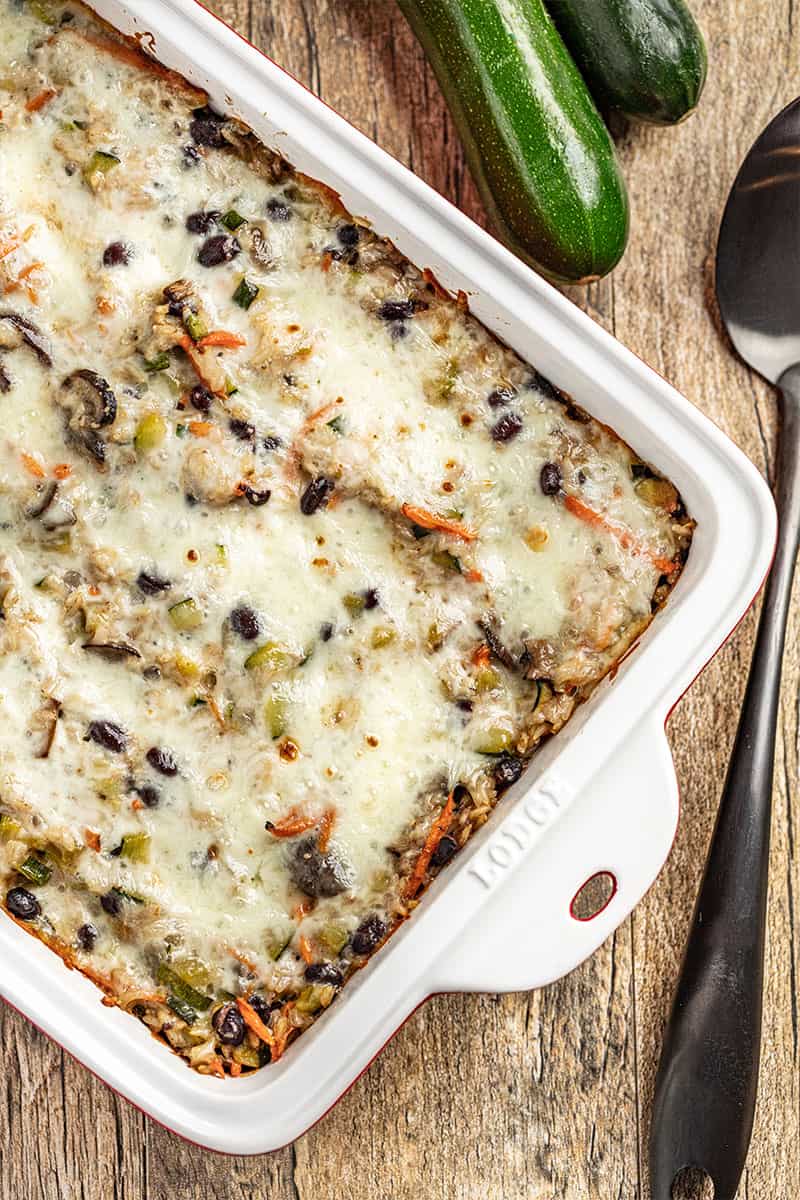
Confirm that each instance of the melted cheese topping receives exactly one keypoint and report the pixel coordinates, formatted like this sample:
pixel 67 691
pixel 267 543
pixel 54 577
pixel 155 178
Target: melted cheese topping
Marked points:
pixel 291 550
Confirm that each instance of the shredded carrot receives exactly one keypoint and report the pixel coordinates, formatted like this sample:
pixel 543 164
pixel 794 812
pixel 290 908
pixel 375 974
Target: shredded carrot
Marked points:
pixel 246 962
pixel 10 246
pixel 91 839
pixel 624 536
pixel 325 411
pixel 105 306
pixel 136 804
pixel 429 520
pixel 62 471
pixel 221 337
pixel 327 259
pixel 33 466
pixel 26 271
pixel 37 102
pixel 304 946
pixel 215 1067
pixel 253 1021
pixel 200 428
pixel 235 1069
pixel 293 823
pixel 325 829
pixel 302 909
pixel 437 831
pixel 473 576
pixel 94 590
pixel 215 712
pixel 482 656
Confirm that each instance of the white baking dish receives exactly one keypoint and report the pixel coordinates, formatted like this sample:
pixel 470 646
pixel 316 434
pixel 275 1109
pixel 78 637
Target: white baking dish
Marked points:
pixel 600 796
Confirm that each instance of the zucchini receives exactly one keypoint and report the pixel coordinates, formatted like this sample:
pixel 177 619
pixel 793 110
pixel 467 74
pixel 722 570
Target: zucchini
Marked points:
pixel 646 58
pixel 537 146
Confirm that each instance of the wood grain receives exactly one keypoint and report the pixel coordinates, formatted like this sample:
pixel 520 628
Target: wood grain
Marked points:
pixel 543 1096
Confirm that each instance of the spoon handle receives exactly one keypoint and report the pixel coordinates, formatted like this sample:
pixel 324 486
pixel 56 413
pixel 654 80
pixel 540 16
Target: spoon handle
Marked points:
pixel 708 1076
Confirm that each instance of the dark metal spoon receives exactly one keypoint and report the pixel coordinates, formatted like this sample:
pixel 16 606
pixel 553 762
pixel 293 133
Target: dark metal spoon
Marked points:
pixel 708 1076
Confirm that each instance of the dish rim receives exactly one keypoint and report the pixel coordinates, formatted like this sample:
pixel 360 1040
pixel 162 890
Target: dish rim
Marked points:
pixel 727 496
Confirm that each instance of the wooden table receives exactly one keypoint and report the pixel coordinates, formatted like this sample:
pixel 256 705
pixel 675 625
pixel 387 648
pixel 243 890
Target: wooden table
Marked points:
pixel 527 1097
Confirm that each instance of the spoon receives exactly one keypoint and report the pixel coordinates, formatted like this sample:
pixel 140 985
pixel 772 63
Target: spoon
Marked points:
pixel 708 1076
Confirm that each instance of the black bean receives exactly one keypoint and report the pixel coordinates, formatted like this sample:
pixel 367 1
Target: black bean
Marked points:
pixel 277 210
pixel 202 222
pixel 117 254
pixel 111 903
pixel 108 735
pixel 149 795
pixel 272 442
pixel 323 972
pixel 162 760
pixel 398 331
pixel 152 585
pixel 201 398
pixel 550 479
pixel 262 1007
pixel 242 429
pixel 507 427
pixel 220 248
pixel 348 235
pixel 245 622
pixel 326 631
pixel 318 874
pixel 396 310
pixel 465 705
pixel 23 904
pixel 444 851
pixel 370 932
pixel 501 396
pixel 229 1025
pixel 316 495
pixel 152 672
pixel 255 498
pixel 190 156
pixel 371 598
pixel 206 127
pixel 87 937
pixel 507 770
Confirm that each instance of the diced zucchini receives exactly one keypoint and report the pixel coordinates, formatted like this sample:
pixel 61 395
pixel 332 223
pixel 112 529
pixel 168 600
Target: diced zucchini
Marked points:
pixel 35 870
pixel 443 558
pixel 101 162
pixel 247 1056
pixel 181 1009
pixel 275 716
pixel 159 363
pixel 9 828
pixel 487 679
pixel 495 740
pixel 182 990
pixel 150 432
pixel 382 635
pixel 269 657
pixel 136 847
pixel 333 937
pixel 185 615
pixel 245 293
pixel 658 492
pixel 354 602
pixel 544 693
pixel 194 971
pixel 193 325
pixel 277 944
pixel 233 220
pixel 314 997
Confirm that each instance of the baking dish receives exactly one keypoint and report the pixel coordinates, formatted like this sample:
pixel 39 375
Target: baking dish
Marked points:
pixel 583 788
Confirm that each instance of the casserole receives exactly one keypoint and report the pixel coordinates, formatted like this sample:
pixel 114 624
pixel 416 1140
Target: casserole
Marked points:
pixel 554 790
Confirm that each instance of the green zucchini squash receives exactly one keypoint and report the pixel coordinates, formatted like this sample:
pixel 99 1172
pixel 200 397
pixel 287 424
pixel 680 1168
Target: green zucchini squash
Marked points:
pixel 537 146
pixel 646 58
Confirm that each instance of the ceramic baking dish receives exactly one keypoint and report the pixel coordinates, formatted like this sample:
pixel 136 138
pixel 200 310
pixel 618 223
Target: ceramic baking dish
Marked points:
pixel 601 796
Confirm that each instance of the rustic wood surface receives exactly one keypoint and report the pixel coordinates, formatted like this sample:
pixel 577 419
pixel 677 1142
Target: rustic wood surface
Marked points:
pixel 526 1097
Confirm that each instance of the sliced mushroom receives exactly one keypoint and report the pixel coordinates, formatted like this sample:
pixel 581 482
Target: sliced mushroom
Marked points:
pixel 113 651
pixel 90 405
pixel 488 626
pixel 52 510
pixel 44 723
pixel 15 332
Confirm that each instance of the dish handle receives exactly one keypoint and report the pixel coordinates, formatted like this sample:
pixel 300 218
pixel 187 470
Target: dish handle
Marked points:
pixel 620 824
